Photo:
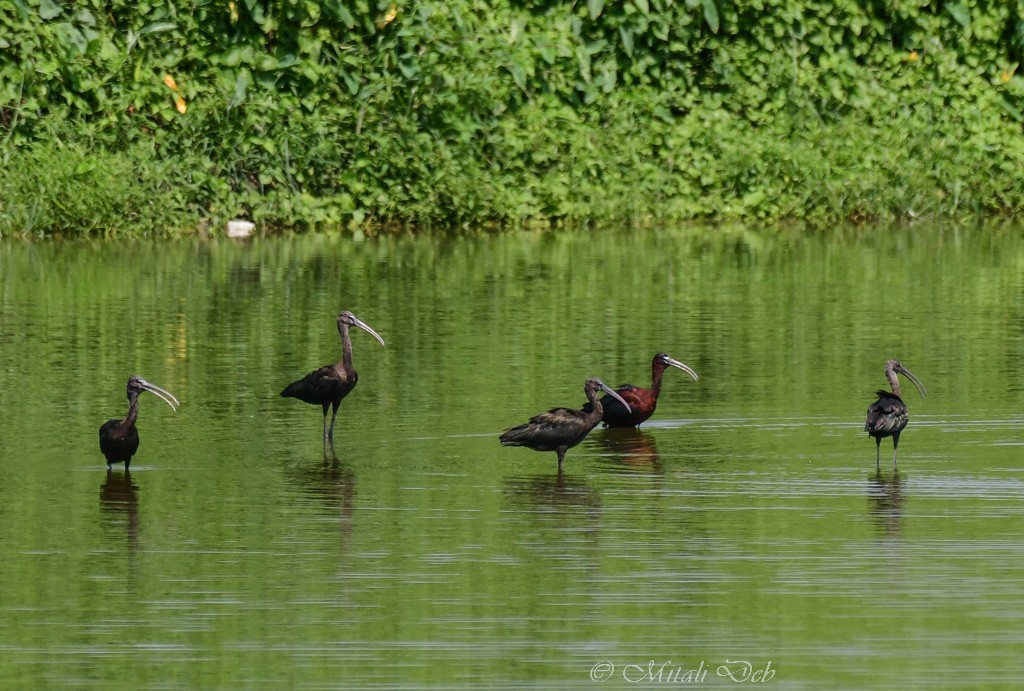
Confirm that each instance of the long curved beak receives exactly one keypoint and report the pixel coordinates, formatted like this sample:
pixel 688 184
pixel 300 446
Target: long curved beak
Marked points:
pixel 611 392
pixel 909 375
pixel 164 395
pixel 366 327
pixel 683 366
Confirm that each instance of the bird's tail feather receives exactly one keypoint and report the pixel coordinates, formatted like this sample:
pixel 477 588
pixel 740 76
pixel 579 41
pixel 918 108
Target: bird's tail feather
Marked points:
pixel 512 437
pixel 292 390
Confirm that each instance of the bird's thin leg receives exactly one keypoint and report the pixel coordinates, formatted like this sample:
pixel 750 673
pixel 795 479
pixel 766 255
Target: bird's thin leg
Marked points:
pixel 127 462
pixel 561 455
pixel 329 443
pixel 878 454
pixel 326 405
pixel 895 443
pixel 109 467
pixel 330 432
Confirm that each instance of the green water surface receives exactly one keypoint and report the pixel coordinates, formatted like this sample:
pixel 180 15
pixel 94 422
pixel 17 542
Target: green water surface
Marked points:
pixel 744 524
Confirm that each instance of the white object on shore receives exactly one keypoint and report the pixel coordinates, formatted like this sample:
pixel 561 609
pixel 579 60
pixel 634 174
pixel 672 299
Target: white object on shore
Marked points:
pixel 240 228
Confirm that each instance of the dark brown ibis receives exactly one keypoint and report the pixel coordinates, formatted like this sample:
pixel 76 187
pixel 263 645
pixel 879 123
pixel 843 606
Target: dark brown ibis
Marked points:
pixel 560 429
pixel 888 415
pixel 641 402
pixel 119 439
pixel 331 383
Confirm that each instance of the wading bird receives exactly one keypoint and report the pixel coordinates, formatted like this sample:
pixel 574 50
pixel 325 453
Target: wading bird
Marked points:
pixel 119 439
pixel 331 383
pixel 560 429
pixel 641 402
pixel 888 415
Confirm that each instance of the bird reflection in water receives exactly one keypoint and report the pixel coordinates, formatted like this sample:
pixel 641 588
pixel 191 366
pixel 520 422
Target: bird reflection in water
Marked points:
pixel 119 502
pixel 332 459
pixel 559 515
pixel 553 493
pixel 630 448
pixel 331 489
pixel 885 497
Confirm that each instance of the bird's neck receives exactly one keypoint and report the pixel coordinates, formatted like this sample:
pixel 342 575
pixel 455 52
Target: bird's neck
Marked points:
pixel 656 375
pixel 133 411
pixel 346 347
pixel 894 382
pixel 596 409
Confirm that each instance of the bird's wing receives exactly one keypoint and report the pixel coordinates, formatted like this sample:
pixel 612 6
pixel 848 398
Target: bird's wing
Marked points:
pixel 544 430
pixel 885 414
pixel 319 384
pixel 556 416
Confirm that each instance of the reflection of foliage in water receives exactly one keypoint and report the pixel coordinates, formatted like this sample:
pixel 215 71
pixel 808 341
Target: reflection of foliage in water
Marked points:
pixel 771 318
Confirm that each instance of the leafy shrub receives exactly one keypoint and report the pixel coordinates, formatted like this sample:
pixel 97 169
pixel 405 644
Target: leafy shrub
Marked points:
pixel 305 114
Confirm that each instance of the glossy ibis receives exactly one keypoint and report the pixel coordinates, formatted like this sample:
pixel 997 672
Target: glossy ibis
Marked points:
pixel 119 439
pixel 560 429
pixel 641 402
pixel 888 415
pixel 331 383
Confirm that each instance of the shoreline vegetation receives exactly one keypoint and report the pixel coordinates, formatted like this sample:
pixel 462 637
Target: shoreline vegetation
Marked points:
pixel 162 118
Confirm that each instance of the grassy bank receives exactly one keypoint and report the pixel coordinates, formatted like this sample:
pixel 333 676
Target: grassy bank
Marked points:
pixel 123 117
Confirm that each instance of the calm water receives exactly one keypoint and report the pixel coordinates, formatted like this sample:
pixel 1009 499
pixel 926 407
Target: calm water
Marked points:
pixel 744 523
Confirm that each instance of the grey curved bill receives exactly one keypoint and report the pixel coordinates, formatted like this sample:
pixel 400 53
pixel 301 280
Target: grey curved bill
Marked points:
pixel 917 382
pixel 611 392
pixel 683 366
pixel 366 327
pixel 163 394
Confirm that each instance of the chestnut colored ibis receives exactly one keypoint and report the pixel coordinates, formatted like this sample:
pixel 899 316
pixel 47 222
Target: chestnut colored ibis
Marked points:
pixel 641 402
pixel 119 439
pixel 888 415
pixel 560 429
pixel 331 383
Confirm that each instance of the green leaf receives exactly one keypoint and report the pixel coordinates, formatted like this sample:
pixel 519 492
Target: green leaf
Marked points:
pixel 237 56
pixel 960 13
pixel 610 75
pixel 408 69
pixel 627 39
pixel 85 167
pixel 754 198
pixel 72 37
pixel 273 64
pixel 343 15
pixel 48 9
pixel 351 83
pixel 242 82
pixel 85 17
pixel 518 76
pixel 711 15
pixel 157 27
pixel 22 9
pixel 594 8
pixel 1011 109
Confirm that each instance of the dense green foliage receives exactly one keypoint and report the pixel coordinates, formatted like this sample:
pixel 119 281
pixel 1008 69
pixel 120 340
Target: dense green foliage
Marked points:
pixel 298 113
